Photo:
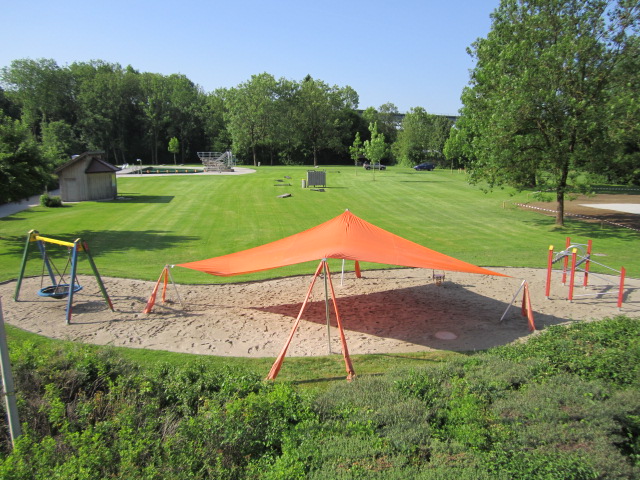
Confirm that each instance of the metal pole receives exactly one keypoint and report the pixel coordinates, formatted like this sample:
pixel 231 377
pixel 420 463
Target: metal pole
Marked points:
pixel 7 382
pixel 96 274
pixel 572 278
pixel 565 261
pixel 549 267
pixel 23 265
pixel 587 263
pixel 72 280
pixel 169 267
pixel 621 289
pixel 326 304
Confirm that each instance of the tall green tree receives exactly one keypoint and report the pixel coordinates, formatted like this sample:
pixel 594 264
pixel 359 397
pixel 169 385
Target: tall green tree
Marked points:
pixel 374 149
pixel 251 113
pixel 318 118
pixel 422 137
pixel 624 119
pixel 41 88
pixel 58 143
pixel 108 100
pixel 356 150
pixel 536 107
pixel 185 103
pixel 155 102
pixel 23 171
pixel 212 113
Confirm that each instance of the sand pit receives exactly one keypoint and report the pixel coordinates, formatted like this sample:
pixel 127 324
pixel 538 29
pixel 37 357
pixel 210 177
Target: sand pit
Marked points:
pixel 386 311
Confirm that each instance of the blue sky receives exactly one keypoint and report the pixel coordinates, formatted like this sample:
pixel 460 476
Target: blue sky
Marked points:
pixel 407 52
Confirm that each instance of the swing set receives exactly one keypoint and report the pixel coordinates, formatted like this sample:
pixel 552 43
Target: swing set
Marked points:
pixel 60 287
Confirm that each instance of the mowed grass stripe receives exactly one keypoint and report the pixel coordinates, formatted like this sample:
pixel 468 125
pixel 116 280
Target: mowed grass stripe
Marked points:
pixel 175 219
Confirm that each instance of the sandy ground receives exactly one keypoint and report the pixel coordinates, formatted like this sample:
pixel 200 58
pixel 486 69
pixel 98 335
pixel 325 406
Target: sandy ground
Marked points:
pixel 386 311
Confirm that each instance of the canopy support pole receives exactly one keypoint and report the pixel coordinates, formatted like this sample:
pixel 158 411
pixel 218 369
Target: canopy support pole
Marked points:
pixel 275 368
pixel 326 306
pixel 273 373
pixel 345 351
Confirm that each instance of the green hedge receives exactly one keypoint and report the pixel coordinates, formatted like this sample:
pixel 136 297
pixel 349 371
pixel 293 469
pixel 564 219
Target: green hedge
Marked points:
pixel 564 405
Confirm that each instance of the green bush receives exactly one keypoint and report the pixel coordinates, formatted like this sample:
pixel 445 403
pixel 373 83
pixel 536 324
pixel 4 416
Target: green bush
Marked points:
pixel 47 200
pixel 607 350
pixel 534 411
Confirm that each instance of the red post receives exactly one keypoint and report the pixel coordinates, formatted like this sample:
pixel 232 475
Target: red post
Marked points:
pixel 549 267
pixel 586 265
pixel 574 253
pixel 565 262
pixel 621 290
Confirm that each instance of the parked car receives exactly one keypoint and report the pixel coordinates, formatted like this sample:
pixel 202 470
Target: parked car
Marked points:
pixel 375 166
pixel 425 166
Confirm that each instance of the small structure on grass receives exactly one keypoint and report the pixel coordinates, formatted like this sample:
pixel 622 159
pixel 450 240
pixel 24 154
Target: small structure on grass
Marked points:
pixel 217 161
pixel 87 177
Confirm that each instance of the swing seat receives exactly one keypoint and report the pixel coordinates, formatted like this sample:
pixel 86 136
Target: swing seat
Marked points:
pixel 58 291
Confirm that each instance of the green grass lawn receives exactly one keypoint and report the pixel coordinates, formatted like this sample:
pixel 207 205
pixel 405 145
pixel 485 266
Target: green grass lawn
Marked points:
pixel 174 219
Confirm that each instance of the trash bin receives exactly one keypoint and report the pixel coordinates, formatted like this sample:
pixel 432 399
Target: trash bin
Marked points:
pixel 304 183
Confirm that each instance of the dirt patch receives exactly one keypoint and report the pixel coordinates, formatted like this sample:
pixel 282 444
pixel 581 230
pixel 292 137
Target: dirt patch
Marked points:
pixel 576 209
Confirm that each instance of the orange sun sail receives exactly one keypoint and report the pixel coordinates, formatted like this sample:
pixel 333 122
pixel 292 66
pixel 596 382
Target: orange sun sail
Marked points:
pixel 345 237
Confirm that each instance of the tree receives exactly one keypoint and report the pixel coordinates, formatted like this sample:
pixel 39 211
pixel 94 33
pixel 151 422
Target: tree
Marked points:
pixel 42 90
pixel 109 110
pixel 535 111
pixel 58 143
pixel 422 137
pixel 174 147
pixel 22 170
pixel 318 116
pixel 355 151
pixel 376 148
pixel 250 114
pixel 155 106
pixel 624 119
pixel 185 102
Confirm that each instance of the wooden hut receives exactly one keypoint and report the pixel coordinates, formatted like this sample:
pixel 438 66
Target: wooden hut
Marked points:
pixel 87 177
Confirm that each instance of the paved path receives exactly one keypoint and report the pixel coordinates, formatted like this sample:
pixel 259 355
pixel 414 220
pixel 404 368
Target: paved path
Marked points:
pixel 7 209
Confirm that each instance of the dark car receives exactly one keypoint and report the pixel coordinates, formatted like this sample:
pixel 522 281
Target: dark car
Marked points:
pixel 425 166
pixel 375 166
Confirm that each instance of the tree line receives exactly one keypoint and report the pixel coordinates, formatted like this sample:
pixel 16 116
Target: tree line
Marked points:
pixel 56 111
pixel 551 106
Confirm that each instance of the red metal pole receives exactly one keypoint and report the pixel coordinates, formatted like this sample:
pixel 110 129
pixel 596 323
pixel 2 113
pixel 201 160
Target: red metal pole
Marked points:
pixel 586 265
pixel 621 290
pixel 549 266
pixel 574 253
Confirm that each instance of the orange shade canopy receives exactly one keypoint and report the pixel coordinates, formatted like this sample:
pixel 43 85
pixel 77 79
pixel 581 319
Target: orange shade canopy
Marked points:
pixel 345 237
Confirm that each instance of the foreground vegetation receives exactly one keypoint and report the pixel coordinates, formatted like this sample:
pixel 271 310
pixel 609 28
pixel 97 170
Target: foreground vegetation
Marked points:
pixel 565 405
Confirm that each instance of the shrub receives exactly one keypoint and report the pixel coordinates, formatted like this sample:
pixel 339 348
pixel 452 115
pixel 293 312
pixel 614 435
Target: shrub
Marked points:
pixel 47 200
pixel 607 350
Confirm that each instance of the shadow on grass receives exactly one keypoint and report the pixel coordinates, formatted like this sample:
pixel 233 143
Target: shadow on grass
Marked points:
pixel 101 242
pixel 588 229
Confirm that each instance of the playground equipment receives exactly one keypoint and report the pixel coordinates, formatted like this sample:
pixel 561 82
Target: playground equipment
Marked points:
pixel 217 161
pixel 59 288
pixel 581 260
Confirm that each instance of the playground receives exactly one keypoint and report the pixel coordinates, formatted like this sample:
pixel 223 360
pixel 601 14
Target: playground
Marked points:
pixel 385 311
